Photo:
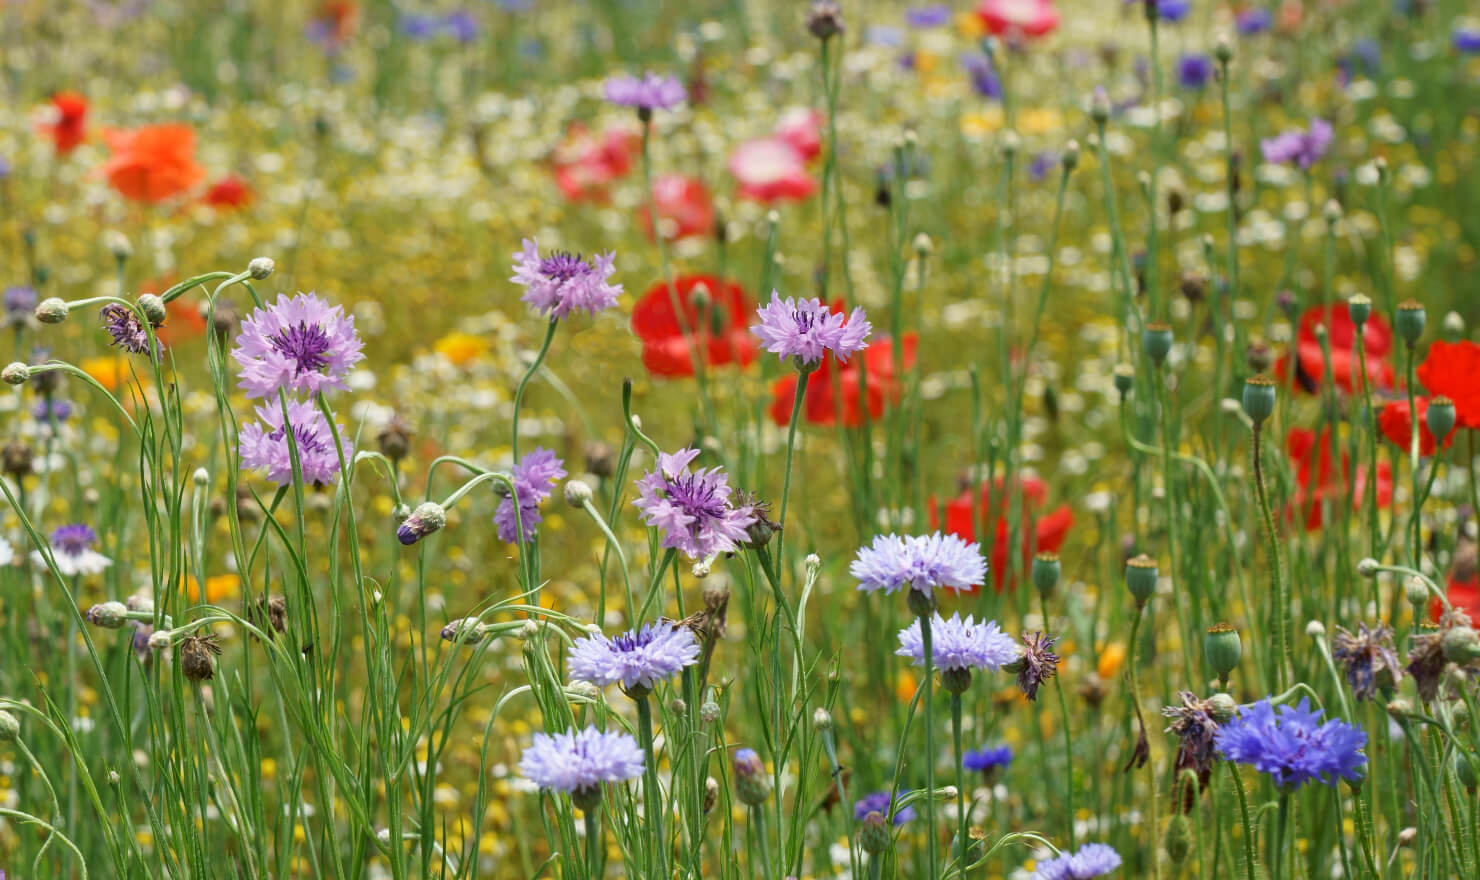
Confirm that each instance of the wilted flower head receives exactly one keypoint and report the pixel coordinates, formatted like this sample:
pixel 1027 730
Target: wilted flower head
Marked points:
pixel 1092 860
pixel 1037 663
pixel 806 329
pixel 72 549
pixel 879 802
pixel 637 660
pixel 959 644
pixel 1367 658
pixel 1196 726
pixel 693 509
pixel 1426 660
pixel 197 656
pixel 534 479
pixel 1292 746
pixel 561 283
pixel 125 329
pixel 575 761
pixel 647 93
pixel 1300 148
pixel 264 444
pixel 920 562
pixel 299 345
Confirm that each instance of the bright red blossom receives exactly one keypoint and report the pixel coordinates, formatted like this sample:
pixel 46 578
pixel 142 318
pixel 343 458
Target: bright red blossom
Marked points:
pixel 586 165
pixel 1341 333
pixel 1042 534
pixel 1453 370
pixel 67 126
pixel 831 381
pixel 1396 426
pixel 1317 483
pixel 723 337
pixel 152 163
pixel 684 207
pixel 229 192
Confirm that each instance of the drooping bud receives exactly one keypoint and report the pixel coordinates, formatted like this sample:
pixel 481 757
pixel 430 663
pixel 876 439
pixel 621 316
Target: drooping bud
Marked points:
pixel 260 268
pixel 428 518
pixel 1178 839
pixel 577 493
pixel 752 785
pixel 464 631
pixel 152 308
pixel 15 373
pixel 52 310
pixel 10 727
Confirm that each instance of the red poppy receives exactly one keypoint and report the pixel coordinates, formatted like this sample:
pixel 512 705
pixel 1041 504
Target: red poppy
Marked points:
pixel 684 208
pixel 1393 420
pixel 1030 18
pixel 724 336
pixel 802 128
pixel 1341 333
pixel 1453 370
pixel 830 380
pixel 229 192
pixel 152 163
pixel 771 170
pixel 1463 595
pixel 1316 482
pixel 66 124
pixel 585 165
pixel 334 23
pixel 1045 534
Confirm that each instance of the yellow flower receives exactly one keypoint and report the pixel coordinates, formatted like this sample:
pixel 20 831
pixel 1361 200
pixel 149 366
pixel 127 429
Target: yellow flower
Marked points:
pixel 110 371
pixel 219 587
pixel 460 348
pixel 1110 660
pixel 904 688
pixel 970 25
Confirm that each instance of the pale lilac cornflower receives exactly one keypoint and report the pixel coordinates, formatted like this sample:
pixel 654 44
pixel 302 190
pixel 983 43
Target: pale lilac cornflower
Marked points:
pixel 806 329
pixel 298 345
pixel 579 762
pixel 1299 148
pixel 880 802
pixel 959 644
pixel 647 93
pixel 72 550
pixel 693 509
pixel 1092 860
pixel 264 444
pixel 534 475
pixel 561 283
pixel 922 563
pixel 636 660
pixel 1292 746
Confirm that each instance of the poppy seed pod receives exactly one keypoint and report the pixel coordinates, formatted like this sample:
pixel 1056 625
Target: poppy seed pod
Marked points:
pixel 1464 768
pixel 1046 572
pixel 1359 308
pixel 1222 648
pixel 1440 417
pixel 1156 341
pixel 1124 378
pixel 1258 400
pixel 1140 578
pixel 1409 320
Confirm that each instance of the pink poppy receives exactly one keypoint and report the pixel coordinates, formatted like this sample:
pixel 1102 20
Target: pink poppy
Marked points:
pixel 770 170
pixel 802 128
pixel 684 208
pixel 1029 18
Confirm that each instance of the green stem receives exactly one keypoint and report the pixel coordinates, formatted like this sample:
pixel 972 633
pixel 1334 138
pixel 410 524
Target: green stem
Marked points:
pixel 929 757
pixel 1243 808
pixel 528 374
pixel 652 796
pixel 1277 843
pixel 791 443
pixel 963 834
pixel 1281 608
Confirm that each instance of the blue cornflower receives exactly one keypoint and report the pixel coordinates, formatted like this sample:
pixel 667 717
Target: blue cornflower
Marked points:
pixel 1466 39
pixel 884 35
pixel 48 409
pixel 533 476
pixel 578 763
pixel 72 551
pixel 1255 20
pixel 958 644
pixel 1042 164
pixel 1292 745
pixel 1194 70
pixel 1172 10
pixel 19 303
pixel 983 760
pixel 1092 860
pixel 648 93
pixel 637 660
pixel 418 27
pixel 806 329
pixel 983 76
pixel 462 25
pixel 921 562
pixel 932 15
pixel 693 509
pixel 879 802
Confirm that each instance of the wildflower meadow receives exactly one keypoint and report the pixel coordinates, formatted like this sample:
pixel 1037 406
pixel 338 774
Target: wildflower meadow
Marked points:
pixel 1026 439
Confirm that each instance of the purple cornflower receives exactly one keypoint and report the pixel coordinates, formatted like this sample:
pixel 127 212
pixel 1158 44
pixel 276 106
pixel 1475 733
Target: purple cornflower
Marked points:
pixel 647 93
pixel 562 283
pixel 636 660
pixel 879 802
pixel 1037 663
pixel 1296 147
pixel 929 16
pixel 920 562
pixel 1368 658
pixel 125 327
pixel 298 345
pixel 693 509
pixel 533 476
pixel 1252 21
pixel 1042 164
pixel 20 304
pixel 1092 860
pixel 1168 10
pixel 580 762
pixel 983 76
pixel 985 760
pixel 1292 746
pixel 807 330
pixel 264 445
pixel 1194 70
pixel 462 25
pixel 47 410
pixel 72 550
pixel 959 644
pixel 418 27
pixel 1466 39
pixel 751 782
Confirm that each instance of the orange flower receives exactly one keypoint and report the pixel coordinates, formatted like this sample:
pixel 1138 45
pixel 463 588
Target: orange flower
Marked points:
pixel 152 163
pixel 460 348
pixel 109 371
pixel 68 123
pixel 229 192
pixel 219 587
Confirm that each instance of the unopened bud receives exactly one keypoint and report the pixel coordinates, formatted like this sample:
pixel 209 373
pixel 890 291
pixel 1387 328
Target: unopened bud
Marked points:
pixel 261 267
pixel 52 310
pixel 153 308
pixel 15 373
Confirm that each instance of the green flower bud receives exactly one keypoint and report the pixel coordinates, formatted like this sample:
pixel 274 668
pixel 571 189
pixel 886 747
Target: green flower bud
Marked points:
pixel 1156 340
pixel 1464 768
pixel 1125 377
pixel 1140 578
pixel 52 310
pixel 957 679
pixel 1460 644
pixel 1259 396
pixel 1222 648
pixel 1178 839
pixel 15 373
pixel 1440 417
pixel 1453 327
pixel 1046 571
pixel 153 308
pixel 1410 320
pixel 921 604
pixel 873 834
pixel 10 727
pixel 586 799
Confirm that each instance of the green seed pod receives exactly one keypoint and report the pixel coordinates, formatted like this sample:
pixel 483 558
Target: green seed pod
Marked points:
pixel 1140 578
pixel 1156 340
pixel 1178 839
pixel 1046 571
pixel 1222 648
pixel 1410 320
pixel 1259 396
pixel 1359 307
pixel 873 835
pixel 1464 768
pixel 1440 417
pixel 1125 377
pixel 586 799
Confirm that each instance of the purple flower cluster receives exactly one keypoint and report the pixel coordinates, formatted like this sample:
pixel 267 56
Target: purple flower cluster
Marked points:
pixel 1292 746
pixel 1092 860
pixel 647 93
pixel 879 802
pixel 19 304
pixel 807 330
pixel 693 509
pixel 125 329
pixel 1299 148
pixel 637 660
pixel 572 762
pixel 561 283
pixel 1253 20
pixel 929 16
pixel 264 444
pixel 1194 71
pixel 924 563
pixel 300 345
pixel 982 760
pixel 959 644
pixel 534 475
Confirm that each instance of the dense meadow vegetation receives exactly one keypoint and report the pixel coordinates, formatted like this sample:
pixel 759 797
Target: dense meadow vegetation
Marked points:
pixel 739 438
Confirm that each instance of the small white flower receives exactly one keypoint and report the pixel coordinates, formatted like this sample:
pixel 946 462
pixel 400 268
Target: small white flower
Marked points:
pixel 71 548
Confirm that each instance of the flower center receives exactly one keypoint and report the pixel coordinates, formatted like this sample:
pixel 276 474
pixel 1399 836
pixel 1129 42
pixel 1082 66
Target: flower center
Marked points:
pixel 631 641
pixel 306 439
pixel 306 345
pixel 73 540
pixel 562 266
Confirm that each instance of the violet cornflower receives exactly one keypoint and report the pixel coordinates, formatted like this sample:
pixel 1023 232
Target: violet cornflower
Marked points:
pixel 579 762
pixel 1300 148
pixel 264 445
pixel 922 563
pixel 299 345
pixel 647 93
pixel 929 16
pixel 1194 70
pixel 1252 21
pixel 1292 746
pixel 958 644
pixel 879 802
pixel 534 476
pixel 982 74
pixel 1466 39
pixel 806 330
pixel 561 283
pixel 125 328
pixel 19 305
pixel 72 550
pixel 693 509
pixel 636 660
pixel 1092 860
pixel 987 759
